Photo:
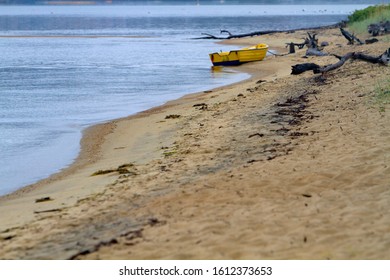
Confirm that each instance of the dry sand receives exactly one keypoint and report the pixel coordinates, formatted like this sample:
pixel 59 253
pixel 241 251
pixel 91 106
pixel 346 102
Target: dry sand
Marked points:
pixel 275 167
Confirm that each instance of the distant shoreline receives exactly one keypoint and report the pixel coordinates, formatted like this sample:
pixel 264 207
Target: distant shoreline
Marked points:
pixel 73 36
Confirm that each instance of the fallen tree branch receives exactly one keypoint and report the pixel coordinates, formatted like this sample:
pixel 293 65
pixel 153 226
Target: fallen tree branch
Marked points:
pixel 350 37
pixel 232 36
pixel 380 28
pixel 303 67
pixel 371 41
pixel 251 34
pixel 209 36
pixel 313 48
pixel 315 52
pixel 259 33
pixel 383 59
pixel 335 65
pixel 292 46
pixel 312 41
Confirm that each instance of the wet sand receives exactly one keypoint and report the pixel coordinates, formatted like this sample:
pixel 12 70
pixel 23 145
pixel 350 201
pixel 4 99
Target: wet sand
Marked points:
pixel 275 167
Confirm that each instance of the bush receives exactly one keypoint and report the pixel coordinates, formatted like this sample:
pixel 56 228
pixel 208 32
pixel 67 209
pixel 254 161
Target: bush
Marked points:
pixel 369 12
pixel 361 19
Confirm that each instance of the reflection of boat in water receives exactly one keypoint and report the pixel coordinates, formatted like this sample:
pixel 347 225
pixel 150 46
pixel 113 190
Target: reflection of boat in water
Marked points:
pixel 237 57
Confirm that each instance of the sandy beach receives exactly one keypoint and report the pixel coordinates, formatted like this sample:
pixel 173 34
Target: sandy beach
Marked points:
pixel 274 167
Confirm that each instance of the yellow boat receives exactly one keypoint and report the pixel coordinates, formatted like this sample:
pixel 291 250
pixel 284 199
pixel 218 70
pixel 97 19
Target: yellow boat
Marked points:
pixel 237 57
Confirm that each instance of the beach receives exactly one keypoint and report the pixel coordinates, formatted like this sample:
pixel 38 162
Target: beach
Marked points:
pixel 274 167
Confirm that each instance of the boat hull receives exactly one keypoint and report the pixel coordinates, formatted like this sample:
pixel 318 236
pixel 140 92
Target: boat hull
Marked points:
pixel 237 57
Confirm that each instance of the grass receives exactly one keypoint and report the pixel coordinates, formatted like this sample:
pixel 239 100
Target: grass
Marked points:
pixel 360 19
pixel 386 38
pixel 382 94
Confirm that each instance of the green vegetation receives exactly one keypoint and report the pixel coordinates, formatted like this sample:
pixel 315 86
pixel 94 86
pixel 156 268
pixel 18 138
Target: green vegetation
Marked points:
pixel 360 19
pixel 369 12
pixel 382 94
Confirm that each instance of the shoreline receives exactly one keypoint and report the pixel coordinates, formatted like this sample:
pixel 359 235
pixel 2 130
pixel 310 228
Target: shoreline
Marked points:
pixel 93 137
pixel 85 155
pixel 226 176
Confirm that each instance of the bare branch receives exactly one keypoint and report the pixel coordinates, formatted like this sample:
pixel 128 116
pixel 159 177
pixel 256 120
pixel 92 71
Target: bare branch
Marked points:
pixel 383 59
pixel 350 37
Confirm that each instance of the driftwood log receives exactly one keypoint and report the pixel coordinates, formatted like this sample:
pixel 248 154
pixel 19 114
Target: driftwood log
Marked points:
pixel 371 41
pixel 291 46
pixel 232 36
pixel 380 28
pixel 311 41
pixel 315 52
pixel 313 49
pixel 259 33
pixel 383 59
pixel 303 67
pixel 334 66
pixel 350 37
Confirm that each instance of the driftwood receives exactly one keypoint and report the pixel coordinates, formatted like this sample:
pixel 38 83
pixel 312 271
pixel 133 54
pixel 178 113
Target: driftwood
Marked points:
pixel 291 46
pixel 315 52
pixel 350 37
pixel 334 66
pixel 381 28
pixel 303 67
pixel 259 33
pixel 371 41
pixel 251 34
pixel 312 41
pixel 383 59
pixel 232 36
pixel 312 44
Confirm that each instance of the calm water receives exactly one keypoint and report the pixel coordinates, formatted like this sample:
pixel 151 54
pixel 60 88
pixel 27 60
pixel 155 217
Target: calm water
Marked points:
pixel 63 68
